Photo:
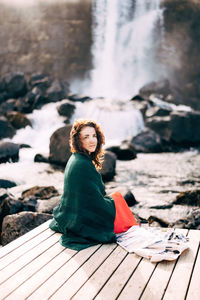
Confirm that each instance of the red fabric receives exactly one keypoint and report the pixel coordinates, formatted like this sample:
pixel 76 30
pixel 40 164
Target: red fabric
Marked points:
pixel 124 218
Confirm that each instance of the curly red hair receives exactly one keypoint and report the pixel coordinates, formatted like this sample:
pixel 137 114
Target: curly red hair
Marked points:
pixel 76 145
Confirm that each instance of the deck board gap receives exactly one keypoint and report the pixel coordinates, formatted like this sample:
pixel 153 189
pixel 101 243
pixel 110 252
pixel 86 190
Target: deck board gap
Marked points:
pixel 129 277
pixel 192 271
pixel 148 281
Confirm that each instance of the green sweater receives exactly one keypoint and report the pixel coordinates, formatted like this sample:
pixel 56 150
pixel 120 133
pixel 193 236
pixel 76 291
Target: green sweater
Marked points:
pixel 85 215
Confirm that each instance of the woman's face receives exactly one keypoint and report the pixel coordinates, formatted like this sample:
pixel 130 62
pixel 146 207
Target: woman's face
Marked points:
pixel 88 139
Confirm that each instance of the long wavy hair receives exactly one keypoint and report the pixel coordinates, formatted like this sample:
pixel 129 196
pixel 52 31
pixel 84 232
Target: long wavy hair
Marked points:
pixel 76 145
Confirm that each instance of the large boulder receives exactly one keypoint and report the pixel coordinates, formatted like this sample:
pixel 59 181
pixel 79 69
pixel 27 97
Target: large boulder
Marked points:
pixel 6 129
pixel 180 127
pixel 147 141
pixel 40 192
pixel 33 99
pixel 5 184
pixel 18 120
pixel 47 206
pixel 157 111
pixel 18 224
pixel 108 168
pixel 191 198
pixel 66 109
pixel 123 152
pixel 160 87
pixel 55 92
pixel 59 148
pixel 15 84
pixel 42 81
pixel 9 152
pixel 8 105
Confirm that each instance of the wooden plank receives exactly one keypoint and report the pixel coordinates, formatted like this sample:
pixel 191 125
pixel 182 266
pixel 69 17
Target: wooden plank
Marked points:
pixel 44 273
pixel 72 285
pixel 179 280
pixel 102 274
pixel 119 278
pixel 162 275
pixel 48 287
pixel 34 266
pixel 25 259
pixel 138 280
pixel 20 251
pixel 23 239
pixel 194 289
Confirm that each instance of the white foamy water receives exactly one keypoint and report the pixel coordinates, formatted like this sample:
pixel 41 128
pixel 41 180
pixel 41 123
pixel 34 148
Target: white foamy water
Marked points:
pixel 125 39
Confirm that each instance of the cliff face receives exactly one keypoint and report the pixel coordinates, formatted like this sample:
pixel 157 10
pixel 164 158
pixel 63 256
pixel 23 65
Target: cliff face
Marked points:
pixel 181 48
pixel 52 36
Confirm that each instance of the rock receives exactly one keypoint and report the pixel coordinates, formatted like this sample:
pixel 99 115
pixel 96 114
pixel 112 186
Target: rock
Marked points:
pixel 147 141
pixel 18 120
pixel 157 111
pixel 108 168
pixel 185 128
pixel 160 87
pixel 40 192
pixel 6 129
pixel 55 92
pixel 123 152
pixel 41 158
pixel 188 198
pixel 47 206
pixel 5 184
pixel 78 98
pixel 160 125
pixel 138 98
pixel 66 109
pixel 40 80
pixel 8 105
pixel 142 106
pixel 59 148
pixel 34 99
pixel 16 225
pixel 9 152
pixel 130 199
pixel 157 222
pixel 192 221
pixel 15 84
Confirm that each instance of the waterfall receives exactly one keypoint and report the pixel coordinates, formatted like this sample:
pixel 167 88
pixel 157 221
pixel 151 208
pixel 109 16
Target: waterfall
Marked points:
pixel 125 37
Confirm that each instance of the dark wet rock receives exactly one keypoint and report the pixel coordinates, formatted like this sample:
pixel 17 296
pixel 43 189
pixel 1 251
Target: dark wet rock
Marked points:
pixel 3 97
pixel 147 141
pixel 9 152
pixel 66 109
pixel 5 184
pixel 55 92
pixel 164 206
pixel 42 81
pixel 7 106
pixel 18 120
pixel 41 158
pixel 130 199
pixel 6 129
pixel 180 127
pixel 155 221
pixel 160 87
pixel 15 84
pixel 108 167
pixel 78 98
pixel 138 98
pixel 185 127
pixel 123 152
pixel 40 192
pixel 191 221
pixel 16 225
pixel 34 99
pixel 157 111
pixel 47 206
pixel 59 148
pixel 142 106
pixel 188 198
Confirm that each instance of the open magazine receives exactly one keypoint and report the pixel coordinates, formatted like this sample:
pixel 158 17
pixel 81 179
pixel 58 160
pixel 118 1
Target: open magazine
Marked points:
pixel 154 243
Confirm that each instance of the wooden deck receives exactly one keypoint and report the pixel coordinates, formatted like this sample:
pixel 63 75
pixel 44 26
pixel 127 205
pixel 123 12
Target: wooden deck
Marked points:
pixel 36 266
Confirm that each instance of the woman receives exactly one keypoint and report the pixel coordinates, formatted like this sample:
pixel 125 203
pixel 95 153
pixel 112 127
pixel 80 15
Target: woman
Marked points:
pixel 85 215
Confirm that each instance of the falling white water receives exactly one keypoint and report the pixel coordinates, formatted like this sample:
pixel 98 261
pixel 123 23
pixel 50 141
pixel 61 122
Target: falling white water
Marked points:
pixel 125 36
pixel 119 120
